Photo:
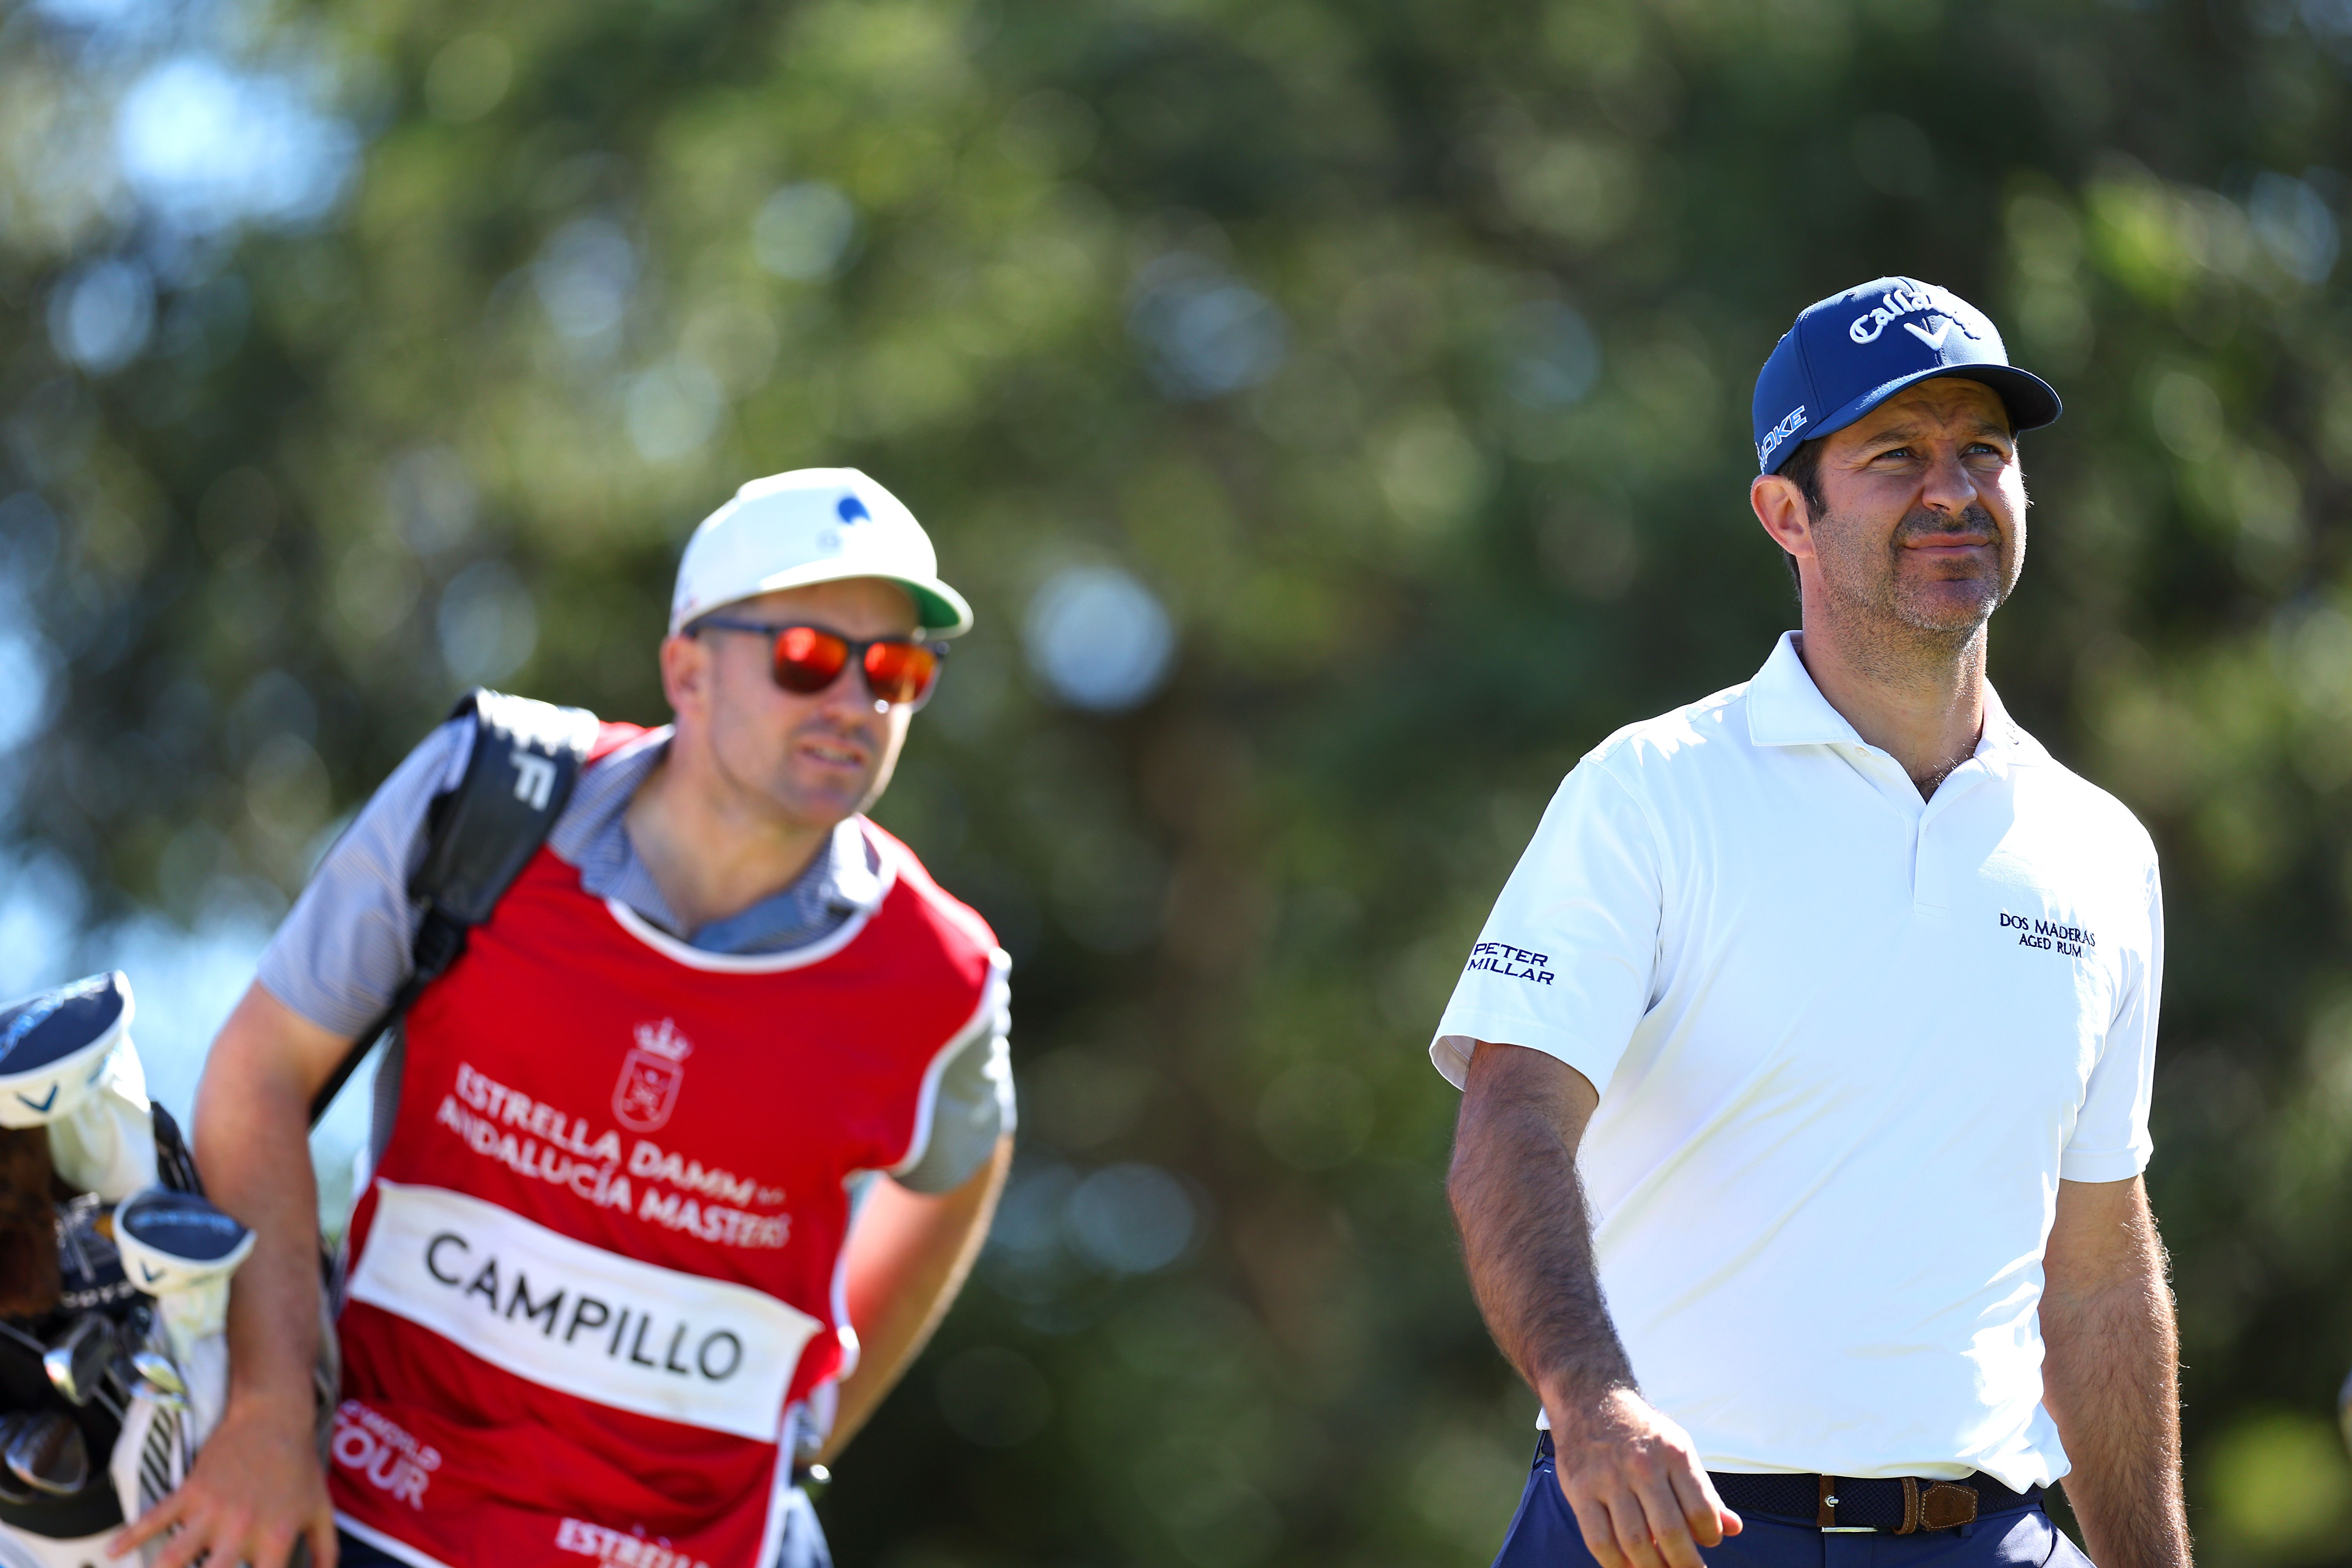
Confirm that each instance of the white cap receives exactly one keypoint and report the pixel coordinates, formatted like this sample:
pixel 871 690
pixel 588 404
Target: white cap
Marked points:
pixel 813 525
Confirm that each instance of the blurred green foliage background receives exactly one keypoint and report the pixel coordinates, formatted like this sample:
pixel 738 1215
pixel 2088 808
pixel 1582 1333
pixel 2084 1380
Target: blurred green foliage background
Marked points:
pixel 1337 414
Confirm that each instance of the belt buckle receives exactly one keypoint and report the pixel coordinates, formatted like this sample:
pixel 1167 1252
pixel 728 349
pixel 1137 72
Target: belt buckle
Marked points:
pixel 1826 1520
pixel 1943 1505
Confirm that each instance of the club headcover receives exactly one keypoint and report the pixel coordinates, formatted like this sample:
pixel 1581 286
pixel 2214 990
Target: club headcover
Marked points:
pixel 53 1047
pixel 173 1242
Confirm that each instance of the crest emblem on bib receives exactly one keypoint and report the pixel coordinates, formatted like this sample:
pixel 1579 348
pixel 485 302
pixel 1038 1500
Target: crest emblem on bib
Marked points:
pixel 650 1076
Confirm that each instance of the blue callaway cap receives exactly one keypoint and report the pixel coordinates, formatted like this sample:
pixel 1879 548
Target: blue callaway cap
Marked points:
pixel 1851 352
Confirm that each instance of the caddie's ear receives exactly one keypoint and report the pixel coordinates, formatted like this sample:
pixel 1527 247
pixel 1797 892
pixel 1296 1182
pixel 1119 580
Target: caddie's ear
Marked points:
pixel 686 673
pixel 1781 507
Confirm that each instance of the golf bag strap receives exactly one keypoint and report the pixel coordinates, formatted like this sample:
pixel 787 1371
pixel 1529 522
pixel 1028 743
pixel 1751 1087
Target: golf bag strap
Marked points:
pixel 527 755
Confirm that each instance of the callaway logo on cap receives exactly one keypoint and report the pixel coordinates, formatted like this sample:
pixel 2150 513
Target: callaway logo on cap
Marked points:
pixel 813 525
pixel 1851 352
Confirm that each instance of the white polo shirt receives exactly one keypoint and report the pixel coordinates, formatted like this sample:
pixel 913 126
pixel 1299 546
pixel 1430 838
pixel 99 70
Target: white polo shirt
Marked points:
pixel 1847 1044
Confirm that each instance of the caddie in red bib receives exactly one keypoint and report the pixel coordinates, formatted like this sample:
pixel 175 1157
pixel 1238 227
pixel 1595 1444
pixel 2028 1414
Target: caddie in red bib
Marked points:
pixel 715 1090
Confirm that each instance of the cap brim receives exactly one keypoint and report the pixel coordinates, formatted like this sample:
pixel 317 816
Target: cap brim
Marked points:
pixel 2030 401
pixel 942 611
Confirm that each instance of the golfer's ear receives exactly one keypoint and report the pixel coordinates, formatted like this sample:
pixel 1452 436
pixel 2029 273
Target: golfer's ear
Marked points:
pixel 1781 507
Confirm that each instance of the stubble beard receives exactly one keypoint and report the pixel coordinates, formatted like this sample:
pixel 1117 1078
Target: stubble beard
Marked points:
pixel 832 800
pixel 1905 628
pixel 769 784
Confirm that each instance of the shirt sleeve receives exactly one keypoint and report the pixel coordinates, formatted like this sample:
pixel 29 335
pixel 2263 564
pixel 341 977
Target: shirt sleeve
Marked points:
pixel 344 948
pixel 971 1105
pixel 2111 1142
pixel 1565 963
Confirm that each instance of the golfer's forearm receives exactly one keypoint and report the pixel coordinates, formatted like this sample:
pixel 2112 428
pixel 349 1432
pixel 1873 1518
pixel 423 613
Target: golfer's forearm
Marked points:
pixel 1527 1236
pixel 2111 1382
pixel 908 1256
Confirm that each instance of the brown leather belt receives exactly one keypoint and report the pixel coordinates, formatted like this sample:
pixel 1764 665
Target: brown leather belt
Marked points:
pixel 1900 1506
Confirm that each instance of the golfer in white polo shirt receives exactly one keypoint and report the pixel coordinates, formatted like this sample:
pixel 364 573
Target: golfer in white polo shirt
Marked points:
pixel 1806 1055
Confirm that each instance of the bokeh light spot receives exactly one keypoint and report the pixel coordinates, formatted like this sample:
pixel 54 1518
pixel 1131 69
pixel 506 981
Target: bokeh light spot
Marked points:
pixel 488 626
pixel 994 1398
pixel 585 276
pixel 1131 1218
pixel 469 78
pixel 1554 357
pixel 672 410
pixel 1207 335
pixel 103 314
pixel 1098 638
pixel 804 231
pixel 207 146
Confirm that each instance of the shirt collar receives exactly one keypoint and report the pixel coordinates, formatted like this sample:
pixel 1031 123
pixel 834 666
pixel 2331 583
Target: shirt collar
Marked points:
pixel 1786 709
pixel 854 874
pixel 2004 739
pixel 846 875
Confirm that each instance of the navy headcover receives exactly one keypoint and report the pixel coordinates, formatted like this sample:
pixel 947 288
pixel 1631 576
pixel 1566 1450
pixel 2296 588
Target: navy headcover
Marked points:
pixel 45 1029
pixel 182 1226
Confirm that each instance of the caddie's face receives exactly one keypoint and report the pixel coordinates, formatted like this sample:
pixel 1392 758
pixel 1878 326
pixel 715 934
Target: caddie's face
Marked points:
pixel 815 760
pixel 1924 519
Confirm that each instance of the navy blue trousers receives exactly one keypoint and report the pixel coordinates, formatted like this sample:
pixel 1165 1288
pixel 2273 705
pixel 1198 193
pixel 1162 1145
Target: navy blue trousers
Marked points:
pixel 803 1544
pixel 1544 1535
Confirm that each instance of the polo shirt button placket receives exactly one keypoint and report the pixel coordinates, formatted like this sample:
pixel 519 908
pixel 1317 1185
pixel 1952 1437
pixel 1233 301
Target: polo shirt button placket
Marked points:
pixel 1895 783
pixel 1929 892
pixel 1923 881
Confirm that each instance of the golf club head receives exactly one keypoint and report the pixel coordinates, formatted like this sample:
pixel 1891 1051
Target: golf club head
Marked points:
pixel 13 1490
pixel 49 1455
pixel 155 1393
pixel 54 1047
pixel 159 1377
pixel 76 1359
pixel 173 1243
pixel 89 1270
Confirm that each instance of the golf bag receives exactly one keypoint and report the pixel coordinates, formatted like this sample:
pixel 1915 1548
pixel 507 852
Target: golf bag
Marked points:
pixel 114 1269
pixel 114 1275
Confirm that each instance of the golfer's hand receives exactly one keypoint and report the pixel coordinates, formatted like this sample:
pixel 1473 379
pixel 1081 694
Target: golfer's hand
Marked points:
pixel 1635 1485
pixel 256 1488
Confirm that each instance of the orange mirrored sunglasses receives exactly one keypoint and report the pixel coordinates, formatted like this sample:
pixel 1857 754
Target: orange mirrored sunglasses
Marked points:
pixel 807 660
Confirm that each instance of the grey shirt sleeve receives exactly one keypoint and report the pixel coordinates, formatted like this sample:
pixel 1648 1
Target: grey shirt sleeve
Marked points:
pixel 971 1108
pixel 344 948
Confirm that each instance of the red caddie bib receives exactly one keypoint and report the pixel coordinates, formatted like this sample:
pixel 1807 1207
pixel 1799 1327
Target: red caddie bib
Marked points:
pixel 600 1256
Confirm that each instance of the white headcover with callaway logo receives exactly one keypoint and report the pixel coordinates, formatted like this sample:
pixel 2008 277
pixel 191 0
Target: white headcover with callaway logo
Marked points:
pixel 66 1063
